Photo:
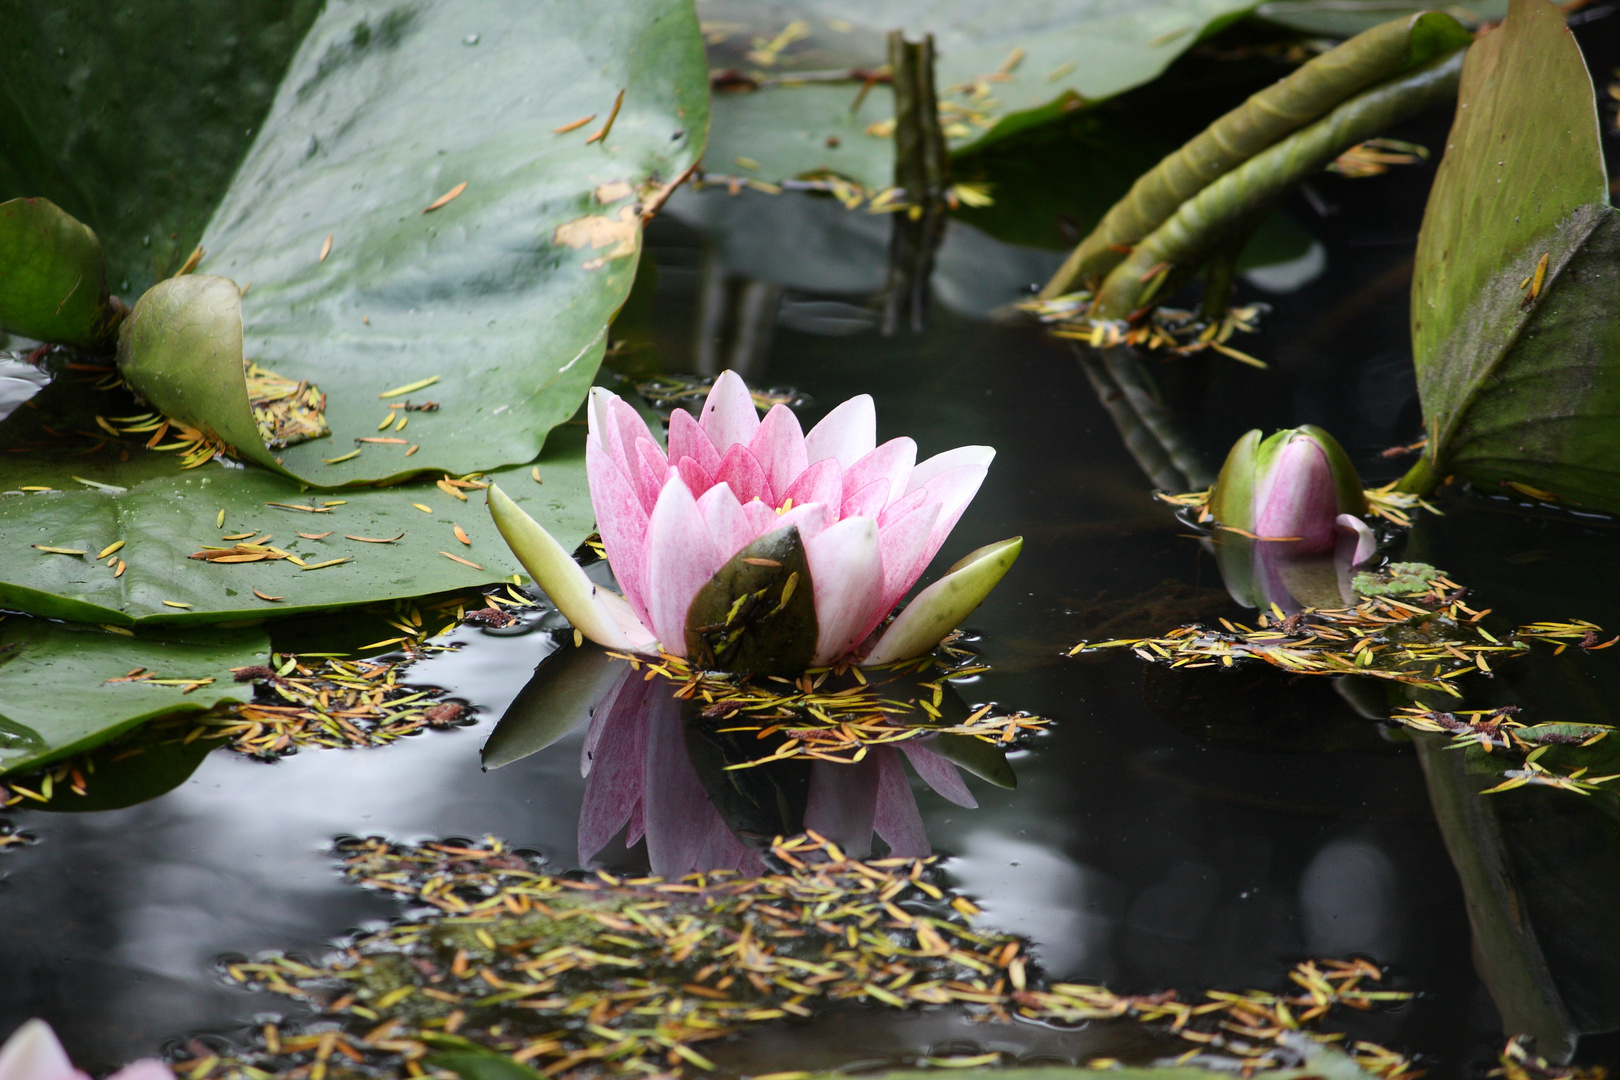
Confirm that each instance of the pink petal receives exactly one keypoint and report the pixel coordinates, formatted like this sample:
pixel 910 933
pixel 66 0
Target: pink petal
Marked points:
pixel 680 818
pixel 740 469
pixel 34 1053
pixel 1355 542
pixel 686 439
pixel 697 479
pixel 629 623
pixel 680 559
pixel 145 1069
pixel 620 427
pixel 846 434
pixel 761 518
pixel 953 489
pixel 810 519
pixel 846 570
pixel 892 462
pixel 729 416
pixel 1298 498
pixel 820 483
pixel 622 522
pixel 897 819
pixel 637 828
pixel 615 785
pixel 869 501
pixel 727 524
pixel 950 459
pixel 653 471
pixel 905 553
pixel 938 773
pixel 779 447
pixel 843 801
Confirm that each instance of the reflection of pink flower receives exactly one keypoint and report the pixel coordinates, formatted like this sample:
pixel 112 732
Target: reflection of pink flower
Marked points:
pixel 871 518
pixel 33 1053
pixel 638 775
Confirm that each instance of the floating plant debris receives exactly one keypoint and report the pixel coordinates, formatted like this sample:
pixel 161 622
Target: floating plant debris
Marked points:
pixel 1375 156
pixel 1519 1062
pixel 288 411
pixel 11 839
pixel 1176 332
pixel 1384 502
pixel 603 975
pixel 1496 729
pixel 666 392
pixel 838 722
pixel 1426 639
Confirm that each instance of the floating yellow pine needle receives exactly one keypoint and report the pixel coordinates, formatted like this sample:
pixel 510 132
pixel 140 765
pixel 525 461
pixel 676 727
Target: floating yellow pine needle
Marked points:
pixel 116 545
pixel 219 520
pixel 305 509
pixel 573 125
pixel 412 450
pixel 342 457
pixel 420 384
pixel 120 571
pixel 1536 279
pixel 389 419
pixel 459 559
pixel 385 440
pixel 58 550
pixel 175 603
pixel 191 262
pixel 28 487
pixel 312 536
pixel 403 420
pixel 374 539
pixel 461 535
pixel 535 473
pixel 329 562
pixel 237 536
pixel 262 596
pixel 424 509
pixel 618 102
pixel 111 629
pixel 446 197
pixel 326 248
pixel 445 486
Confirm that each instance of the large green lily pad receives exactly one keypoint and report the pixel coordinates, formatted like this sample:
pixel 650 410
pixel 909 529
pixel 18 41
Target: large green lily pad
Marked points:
pixel 133 118
pixel 1003 68
pixel 1520 387
pixel 56 281
pixel 64 688
pixel 502 294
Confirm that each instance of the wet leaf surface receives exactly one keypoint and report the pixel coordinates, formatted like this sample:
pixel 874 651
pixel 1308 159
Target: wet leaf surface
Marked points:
pixel 55 288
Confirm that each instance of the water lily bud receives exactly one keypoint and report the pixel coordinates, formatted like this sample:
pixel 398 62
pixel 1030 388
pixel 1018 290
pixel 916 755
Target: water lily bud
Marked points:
pixel 1293 485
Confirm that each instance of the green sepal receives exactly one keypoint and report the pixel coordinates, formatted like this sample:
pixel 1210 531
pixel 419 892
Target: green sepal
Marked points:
pixel 941 607
pixel 1231 500
pixel 757 614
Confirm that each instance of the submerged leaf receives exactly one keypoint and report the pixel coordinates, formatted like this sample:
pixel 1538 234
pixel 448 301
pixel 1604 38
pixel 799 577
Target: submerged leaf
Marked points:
pixel 1514 333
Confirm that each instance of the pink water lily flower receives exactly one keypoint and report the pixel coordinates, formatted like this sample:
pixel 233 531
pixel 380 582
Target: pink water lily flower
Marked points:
pixel 870 517
pixel 33 1053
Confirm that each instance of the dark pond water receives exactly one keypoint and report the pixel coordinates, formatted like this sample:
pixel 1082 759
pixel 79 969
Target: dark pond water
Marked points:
pixel 1186 830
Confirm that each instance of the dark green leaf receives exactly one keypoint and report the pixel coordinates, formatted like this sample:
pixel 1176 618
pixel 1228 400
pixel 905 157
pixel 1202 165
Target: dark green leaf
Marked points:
pixel 58 688
pixel 985 760
pixel 1515 388
pixel 55 284
pixel 565 691
pixel 125 775
pixel 758 613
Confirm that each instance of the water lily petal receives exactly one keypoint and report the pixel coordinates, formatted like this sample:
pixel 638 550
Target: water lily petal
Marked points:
pixel 1297 497
pixel 761 518
pixel 742 470
pixel 728 525
pixel 697 479
pixel 555 571
pixel 615 785
pixel 680 817
pixel 33 1053
pixel 846 571
pixel 869 501
pixel 810 519
pixel 950 459
pixel 892 461
pixel 621 520
pixel 938 773
pixel 686 439
pixel 846 434
pixel 729 416
pixel 842 802
pixel 822 482
pixel 680 558
pixel 897 819
pixel 1354 540
pixel 652 471
pixel 144 1069
pixel 778 445
pixel 938 609
pixel 905 554
pixel 953 489
pixel 629 623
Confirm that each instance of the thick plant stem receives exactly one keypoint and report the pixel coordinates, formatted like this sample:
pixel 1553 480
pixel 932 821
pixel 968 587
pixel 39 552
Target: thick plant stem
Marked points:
pixel 921 172
pixel 1207 221
pixel 1308 93
pixel 1149 431
pixel 1421 478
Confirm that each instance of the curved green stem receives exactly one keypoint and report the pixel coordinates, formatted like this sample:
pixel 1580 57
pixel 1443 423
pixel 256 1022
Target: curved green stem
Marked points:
pixel 1207 220
pixel 1308 93
pixel 1421 478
